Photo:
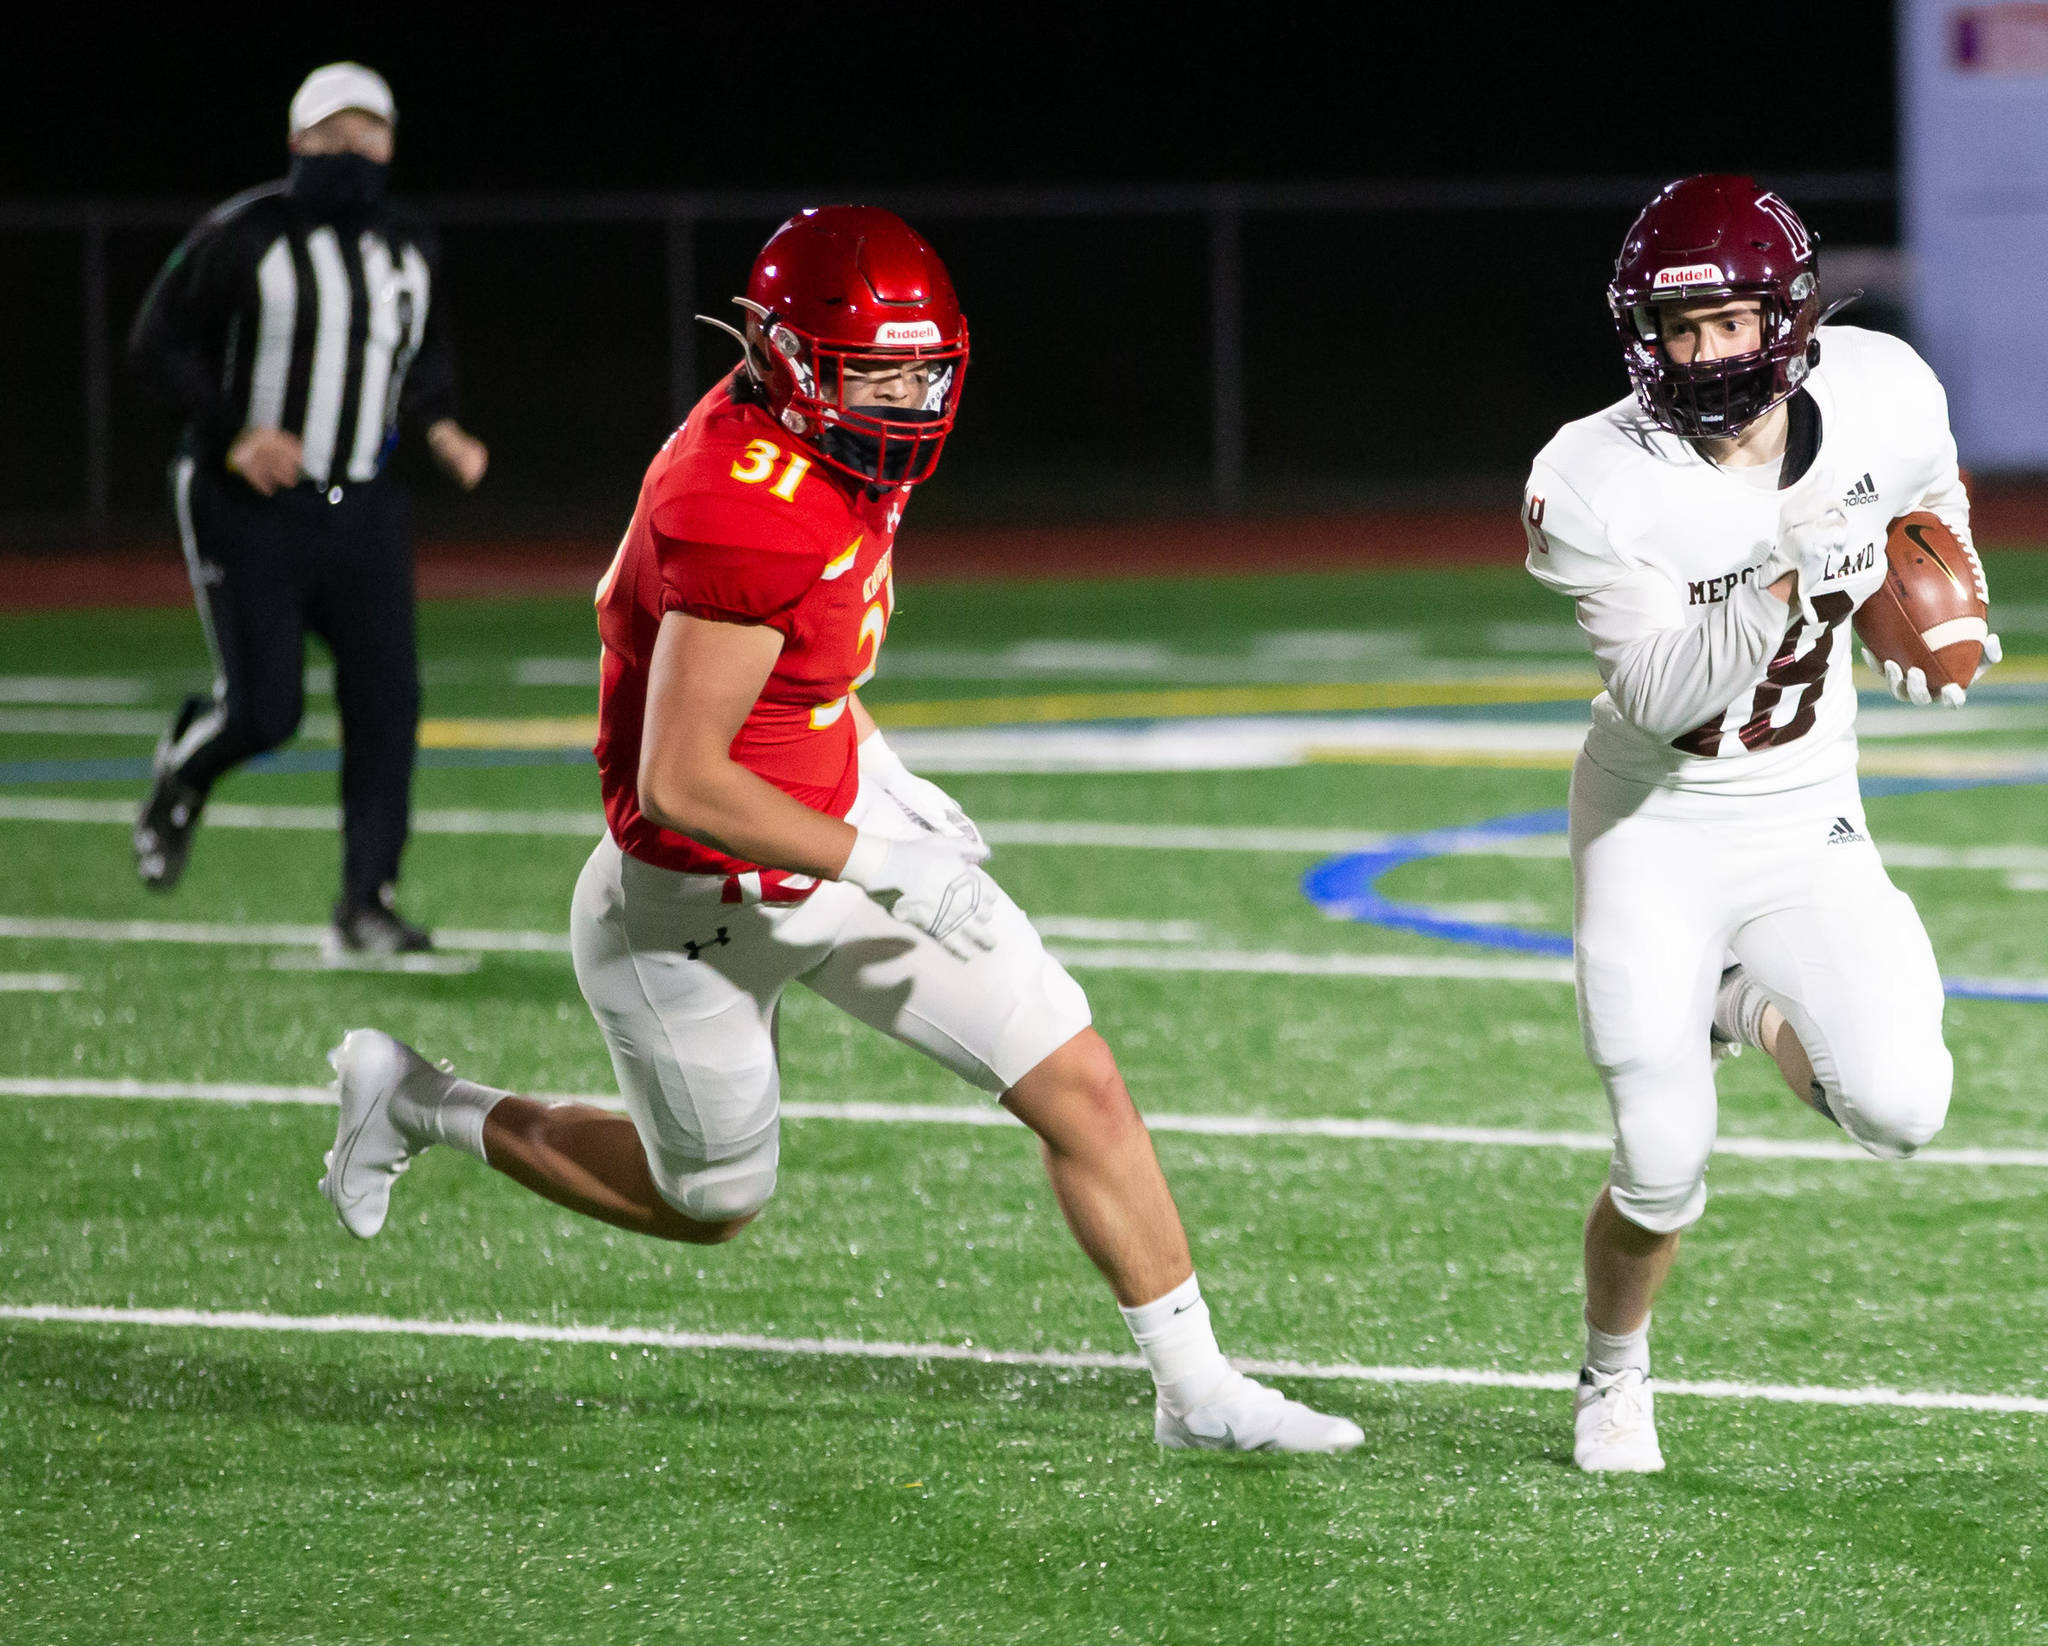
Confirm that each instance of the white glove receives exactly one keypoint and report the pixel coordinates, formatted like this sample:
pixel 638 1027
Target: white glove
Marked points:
pixel 1910 685
pixel 932 883
pixel 1805 546
pixel 925 804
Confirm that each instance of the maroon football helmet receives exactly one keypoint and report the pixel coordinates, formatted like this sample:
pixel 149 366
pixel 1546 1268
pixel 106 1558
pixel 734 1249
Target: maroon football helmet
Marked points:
pixel 855 286
pixel 1704 238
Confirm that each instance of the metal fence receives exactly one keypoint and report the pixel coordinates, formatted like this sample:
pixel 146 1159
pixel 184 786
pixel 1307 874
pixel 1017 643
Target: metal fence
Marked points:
pixel 1223 215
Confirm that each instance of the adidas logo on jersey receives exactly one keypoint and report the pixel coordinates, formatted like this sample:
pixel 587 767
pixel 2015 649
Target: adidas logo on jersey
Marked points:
pixel 1844 833
pixel 1864 491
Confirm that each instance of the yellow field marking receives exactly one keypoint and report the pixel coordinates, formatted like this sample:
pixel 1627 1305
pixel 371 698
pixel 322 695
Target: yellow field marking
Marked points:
pixel 1044 708
pixel 1191 702
pixel 2014 671
pixel 566 732
pixel 1178 703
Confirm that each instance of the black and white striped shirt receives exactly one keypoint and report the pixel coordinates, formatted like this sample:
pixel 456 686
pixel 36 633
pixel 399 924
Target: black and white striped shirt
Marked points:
pixel 274 314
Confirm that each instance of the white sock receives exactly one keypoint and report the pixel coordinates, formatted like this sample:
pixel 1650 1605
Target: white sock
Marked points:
pixel 1174 1335
pixel 451 1110
pixel 1739 1010
pixel 1611 1352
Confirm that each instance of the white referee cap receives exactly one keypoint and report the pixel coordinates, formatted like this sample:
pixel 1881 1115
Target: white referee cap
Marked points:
pixel 339 86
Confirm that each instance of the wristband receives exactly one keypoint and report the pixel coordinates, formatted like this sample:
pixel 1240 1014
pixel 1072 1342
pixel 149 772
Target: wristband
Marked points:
pixel 879 761
pixel 864 862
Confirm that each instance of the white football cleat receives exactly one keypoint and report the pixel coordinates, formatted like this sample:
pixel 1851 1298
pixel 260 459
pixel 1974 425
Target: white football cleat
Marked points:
pixel 371 1149
pixel 1614 1424
pixel 1246 1416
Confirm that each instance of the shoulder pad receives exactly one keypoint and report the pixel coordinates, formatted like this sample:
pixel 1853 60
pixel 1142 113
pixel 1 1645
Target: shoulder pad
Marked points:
pixel 724 480
pixel 1879 364
pixel 1569 549
pixel 731 583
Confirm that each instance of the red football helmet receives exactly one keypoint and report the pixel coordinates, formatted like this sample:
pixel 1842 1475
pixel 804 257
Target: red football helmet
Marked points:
pixel 855 287
pixel 1703 238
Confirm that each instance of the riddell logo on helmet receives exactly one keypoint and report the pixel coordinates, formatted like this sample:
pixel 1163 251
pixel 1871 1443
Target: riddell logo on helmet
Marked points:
pixel 1690 274
pixel 900 332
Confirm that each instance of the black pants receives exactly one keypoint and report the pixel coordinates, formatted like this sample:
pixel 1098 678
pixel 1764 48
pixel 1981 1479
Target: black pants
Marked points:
pixel 264 571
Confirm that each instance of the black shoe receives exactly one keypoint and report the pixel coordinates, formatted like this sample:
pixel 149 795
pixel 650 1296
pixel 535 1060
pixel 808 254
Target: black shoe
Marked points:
pixel 169 816
pixel 377 927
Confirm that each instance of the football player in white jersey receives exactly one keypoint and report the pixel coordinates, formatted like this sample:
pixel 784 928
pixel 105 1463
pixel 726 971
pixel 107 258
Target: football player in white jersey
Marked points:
pixel 1716 531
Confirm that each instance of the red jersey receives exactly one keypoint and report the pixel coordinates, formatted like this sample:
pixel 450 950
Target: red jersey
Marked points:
pixel 740 523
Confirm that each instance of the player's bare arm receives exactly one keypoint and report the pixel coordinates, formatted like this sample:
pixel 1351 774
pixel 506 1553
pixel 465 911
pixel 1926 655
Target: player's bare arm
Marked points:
pixel 704 679
pixel 864 726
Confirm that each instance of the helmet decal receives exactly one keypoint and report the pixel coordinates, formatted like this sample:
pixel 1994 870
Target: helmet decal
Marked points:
pixel 1689 274
pixel 1788 220
pixel 901 333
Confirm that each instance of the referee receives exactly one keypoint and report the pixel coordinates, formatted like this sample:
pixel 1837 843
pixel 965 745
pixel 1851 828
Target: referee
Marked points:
pixel 295 329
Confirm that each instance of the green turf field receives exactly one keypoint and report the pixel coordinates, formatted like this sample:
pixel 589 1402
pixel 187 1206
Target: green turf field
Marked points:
pixel 611 1478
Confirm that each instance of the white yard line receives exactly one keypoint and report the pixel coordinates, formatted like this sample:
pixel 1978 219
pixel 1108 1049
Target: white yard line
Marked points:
pixel 26 808
pixel 851 1348
pixel 71 688
pixel 1279 963
pixel 36 983
pixel 62 930
pixel 1088 928
pixel 83 722
pixel 418 965
pixel 1109 957
pixel 1349 1128
pixel 74 722
pixel 193 1091
pixel 18 808
pixel 1183 837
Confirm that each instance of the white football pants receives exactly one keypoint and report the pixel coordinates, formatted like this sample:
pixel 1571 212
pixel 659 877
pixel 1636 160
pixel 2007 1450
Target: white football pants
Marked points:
pixel 687 989
pixel 1669 888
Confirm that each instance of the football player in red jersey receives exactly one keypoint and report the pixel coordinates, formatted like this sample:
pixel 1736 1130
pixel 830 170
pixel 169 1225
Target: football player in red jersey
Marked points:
pixel 762 833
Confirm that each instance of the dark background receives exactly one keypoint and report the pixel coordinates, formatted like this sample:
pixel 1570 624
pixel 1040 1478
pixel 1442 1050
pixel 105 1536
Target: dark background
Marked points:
pixel 1409 357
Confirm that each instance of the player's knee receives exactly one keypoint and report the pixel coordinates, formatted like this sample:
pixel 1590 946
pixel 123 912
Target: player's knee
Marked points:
pixel 1076 1098
pixel 1658 1179
pixel 721 1195
pixel 264 723
pixel 1896 1108
pixel 1662 1205
pixel 1097 1085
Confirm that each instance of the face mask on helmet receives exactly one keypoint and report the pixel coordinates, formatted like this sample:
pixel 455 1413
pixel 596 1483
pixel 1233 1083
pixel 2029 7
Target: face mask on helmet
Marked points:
pixel 880 417
pixel 889 458
pixel 1715 399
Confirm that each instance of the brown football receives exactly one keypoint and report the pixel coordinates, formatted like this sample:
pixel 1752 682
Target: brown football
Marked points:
pixel 1930 612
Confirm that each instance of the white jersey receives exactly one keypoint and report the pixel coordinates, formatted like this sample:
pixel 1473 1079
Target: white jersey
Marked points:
pixel 1711 686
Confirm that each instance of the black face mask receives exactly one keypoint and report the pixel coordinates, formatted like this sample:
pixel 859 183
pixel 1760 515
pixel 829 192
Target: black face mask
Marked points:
pixel 337 182
pixel 864 453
